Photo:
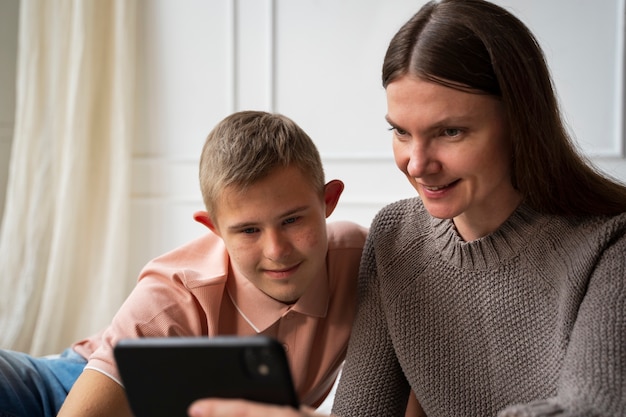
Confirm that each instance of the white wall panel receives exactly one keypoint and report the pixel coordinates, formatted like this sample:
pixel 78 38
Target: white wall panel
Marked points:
pixel 584 44
pixel 254 52
pixel 318 62
pixel 328 60
pixel 185 85
pixel 184 74
pixel 615 167
pixel 371 182
pixel 159 225
pixel 165 178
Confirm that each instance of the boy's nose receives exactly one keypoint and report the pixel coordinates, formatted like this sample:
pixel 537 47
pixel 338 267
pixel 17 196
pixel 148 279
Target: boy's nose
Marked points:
pixel 277 246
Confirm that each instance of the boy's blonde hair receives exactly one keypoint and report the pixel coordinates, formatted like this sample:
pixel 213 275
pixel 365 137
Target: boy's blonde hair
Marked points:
pixel 247 146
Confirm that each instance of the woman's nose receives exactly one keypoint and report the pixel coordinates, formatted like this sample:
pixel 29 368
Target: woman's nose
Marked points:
pixel 419 161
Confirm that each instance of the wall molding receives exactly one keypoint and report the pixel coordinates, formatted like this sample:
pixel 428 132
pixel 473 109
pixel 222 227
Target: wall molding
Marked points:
pixel 356 157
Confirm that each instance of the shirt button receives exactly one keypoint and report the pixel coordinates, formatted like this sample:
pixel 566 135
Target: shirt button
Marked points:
pixel 286 347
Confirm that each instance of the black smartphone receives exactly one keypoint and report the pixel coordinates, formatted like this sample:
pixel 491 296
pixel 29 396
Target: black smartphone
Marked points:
pixel 163 376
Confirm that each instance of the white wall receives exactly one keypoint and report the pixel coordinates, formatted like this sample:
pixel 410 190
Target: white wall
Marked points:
pixel 317 61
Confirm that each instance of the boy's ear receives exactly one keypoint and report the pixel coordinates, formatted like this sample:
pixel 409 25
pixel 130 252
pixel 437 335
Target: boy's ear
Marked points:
pixel 332 192
pixel 204 218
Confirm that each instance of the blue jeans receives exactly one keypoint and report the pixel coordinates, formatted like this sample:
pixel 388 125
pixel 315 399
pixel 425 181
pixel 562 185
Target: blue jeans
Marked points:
pixel 34 387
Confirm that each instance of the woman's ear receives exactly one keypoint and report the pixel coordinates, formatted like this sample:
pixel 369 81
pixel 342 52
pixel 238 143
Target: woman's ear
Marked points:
pixel 332 192
pixel 204 218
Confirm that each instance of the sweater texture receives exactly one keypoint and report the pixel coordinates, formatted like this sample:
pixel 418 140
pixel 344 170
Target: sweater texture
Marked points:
pixel 527 321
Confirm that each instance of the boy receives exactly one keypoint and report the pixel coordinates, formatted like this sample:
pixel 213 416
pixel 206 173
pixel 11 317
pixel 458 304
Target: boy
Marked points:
pixel 268 265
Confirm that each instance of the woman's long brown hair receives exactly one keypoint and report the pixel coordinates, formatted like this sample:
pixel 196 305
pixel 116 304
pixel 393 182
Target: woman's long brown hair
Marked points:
pixel 479 47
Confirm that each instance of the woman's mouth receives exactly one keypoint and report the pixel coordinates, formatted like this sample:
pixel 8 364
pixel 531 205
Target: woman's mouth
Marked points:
pixel 434 191
pixel 435 188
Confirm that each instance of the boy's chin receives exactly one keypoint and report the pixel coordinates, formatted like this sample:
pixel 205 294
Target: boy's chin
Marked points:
pixel 285 297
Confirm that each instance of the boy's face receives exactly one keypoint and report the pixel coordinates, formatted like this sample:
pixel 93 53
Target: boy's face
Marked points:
pixel 275 231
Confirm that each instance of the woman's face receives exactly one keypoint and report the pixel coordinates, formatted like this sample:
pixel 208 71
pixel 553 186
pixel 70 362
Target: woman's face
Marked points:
pixel 454 148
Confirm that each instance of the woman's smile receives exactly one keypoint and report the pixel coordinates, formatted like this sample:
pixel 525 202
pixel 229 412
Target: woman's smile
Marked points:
pixel 454 148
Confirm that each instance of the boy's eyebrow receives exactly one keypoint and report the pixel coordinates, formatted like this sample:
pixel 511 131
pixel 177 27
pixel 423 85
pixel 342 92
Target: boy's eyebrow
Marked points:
pixel 245 225
pixel 240 226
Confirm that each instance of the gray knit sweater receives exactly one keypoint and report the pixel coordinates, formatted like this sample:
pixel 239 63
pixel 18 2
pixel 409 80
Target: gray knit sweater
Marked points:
pixel 527 321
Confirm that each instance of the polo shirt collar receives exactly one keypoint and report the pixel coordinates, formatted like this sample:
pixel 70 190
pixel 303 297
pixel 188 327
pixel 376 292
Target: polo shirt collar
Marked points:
pixel 262 311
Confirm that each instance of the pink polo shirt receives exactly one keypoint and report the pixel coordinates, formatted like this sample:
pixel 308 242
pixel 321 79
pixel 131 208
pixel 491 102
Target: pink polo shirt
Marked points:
pixel 191 291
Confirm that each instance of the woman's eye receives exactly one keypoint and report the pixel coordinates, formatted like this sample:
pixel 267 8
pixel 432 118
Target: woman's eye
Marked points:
pixel 397 131
pixel 290 220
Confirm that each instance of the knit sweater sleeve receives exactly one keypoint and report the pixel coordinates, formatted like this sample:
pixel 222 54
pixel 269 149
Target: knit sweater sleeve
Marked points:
pixel 372 383
pixel 593 376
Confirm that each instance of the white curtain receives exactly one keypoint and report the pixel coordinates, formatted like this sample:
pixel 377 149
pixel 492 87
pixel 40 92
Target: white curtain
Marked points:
pixel 64 234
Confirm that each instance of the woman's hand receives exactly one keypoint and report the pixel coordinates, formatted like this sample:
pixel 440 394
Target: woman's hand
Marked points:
pixel 241 408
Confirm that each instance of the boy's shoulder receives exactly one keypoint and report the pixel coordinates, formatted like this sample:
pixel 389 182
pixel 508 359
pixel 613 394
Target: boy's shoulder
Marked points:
pixel 345 247
pixel 345 234
pixel 200 261
pixel 198 249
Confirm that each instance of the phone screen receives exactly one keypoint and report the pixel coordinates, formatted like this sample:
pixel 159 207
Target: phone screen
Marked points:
pixel 163 376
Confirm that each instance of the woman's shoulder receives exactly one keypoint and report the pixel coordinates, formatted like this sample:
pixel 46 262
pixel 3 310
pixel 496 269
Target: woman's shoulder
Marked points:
pixel 600 226
pixel 578 239
pixel 402 217
pixel 401 209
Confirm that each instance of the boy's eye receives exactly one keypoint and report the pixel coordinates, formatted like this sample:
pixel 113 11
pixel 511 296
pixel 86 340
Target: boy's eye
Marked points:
pixel 452 132
pixel 290 220
pixel 249 230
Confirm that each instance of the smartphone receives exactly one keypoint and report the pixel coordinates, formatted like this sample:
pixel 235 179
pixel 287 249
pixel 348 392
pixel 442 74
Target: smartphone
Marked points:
pixel 163 376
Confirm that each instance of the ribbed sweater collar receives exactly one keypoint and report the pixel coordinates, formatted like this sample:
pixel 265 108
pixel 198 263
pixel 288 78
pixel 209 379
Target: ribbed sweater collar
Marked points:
pixel 492 250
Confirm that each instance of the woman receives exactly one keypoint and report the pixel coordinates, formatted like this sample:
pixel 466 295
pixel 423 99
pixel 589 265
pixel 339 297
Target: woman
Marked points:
pixel 501 289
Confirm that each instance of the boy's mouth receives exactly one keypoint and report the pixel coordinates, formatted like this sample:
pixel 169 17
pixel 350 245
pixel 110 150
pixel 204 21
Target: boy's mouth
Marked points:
pixel 282 273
